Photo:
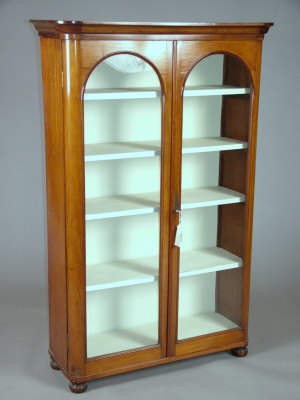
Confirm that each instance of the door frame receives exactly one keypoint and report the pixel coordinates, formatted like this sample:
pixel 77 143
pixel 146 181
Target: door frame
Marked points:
pixel 186 55
pixel 79 58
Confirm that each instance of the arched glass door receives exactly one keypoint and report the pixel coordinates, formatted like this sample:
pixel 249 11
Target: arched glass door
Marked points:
pixel 215 131
pixel 122 141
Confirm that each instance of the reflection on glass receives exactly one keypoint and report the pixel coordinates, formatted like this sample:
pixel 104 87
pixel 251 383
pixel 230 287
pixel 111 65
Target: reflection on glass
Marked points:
pixel 122 135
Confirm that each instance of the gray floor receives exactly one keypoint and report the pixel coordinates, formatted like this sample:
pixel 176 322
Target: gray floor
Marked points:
pixel 270 371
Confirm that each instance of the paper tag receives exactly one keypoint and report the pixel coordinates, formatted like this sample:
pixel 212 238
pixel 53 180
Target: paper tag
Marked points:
pixel 178 236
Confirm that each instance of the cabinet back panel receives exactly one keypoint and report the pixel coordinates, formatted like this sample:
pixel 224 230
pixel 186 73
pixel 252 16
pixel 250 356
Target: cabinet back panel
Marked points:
pixel 122 238
pixel 197 295
pixel 117 177
pixel 200 170
pixel 122 308
pixel 201 116
pixel 199 228
pixel 122 319
pixel 122 120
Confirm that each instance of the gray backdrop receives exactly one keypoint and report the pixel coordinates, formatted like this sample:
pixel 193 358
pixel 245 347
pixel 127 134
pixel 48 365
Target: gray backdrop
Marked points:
pixel 272 368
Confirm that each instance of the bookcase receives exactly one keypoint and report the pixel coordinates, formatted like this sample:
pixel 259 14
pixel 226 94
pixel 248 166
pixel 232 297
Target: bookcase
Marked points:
pixel 150 158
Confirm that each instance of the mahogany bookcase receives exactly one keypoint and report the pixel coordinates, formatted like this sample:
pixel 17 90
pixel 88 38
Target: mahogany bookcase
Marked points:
pixel 150 158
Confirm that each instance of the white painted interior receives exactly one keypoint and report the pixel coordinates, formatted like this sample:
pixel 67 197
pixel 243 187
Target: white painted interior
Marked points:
pixel 151 148
pixel 148 203
pixel 121 177
pixel 123 150
pixel 209 144
pixel 113 187
pixel 115 317
pixel 214 90
pixel 124 238
pixel 203 324
pixel 136 271
pixel 202 119
pixel 122 182
pixel 197 314
pixel 151 93
pixel 121 94
pixel 209 196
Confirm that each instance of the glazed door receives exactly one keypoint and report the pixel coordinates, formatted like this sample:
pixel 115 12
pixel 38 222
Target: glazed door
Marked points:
pixel 212 196
pixel 127 138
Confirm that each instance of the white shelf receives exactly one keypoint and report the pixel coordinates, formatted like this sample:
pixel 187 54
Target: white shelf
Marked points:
pixel 145 270
pixel 147 335
pixel 122 93
pixel 121 273
pixel 125 150
pixel 210 144
pixel 121 150
pixel 214 90
pixel 148 203
pixel 207 260
pixel 121 206
pixel 209 196
pixel 121 340
pixel 151 93
pixel 203 324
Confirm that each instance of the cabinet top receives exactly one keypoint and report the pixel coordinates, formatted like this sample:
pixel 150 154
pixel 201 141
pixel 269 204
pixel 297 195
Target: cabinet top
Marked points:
pixel 56 28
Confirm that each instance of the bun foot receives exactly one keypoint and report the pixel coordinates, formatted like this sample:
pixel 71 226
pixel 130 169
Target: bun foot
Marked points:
pixel 53 365
pixel 240 351
pixel 78 387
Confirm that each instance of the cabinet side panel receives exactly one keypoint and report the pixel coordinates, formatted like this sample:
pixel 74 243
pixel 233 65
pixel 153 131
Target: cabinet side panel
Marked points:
pixel 235 222
pixel 233 175
pixel 53 114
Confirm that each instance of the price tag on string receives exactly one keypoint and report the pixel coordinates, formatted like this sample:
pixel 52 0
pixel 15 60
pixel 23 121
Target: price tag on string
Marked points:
pixel 178 236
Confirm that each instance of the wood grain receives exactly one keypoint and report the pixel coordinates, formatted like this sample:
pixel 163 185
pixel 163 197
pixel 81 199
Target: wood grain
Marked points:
pixel 93 371
pixel 53 118
pixel 175 205
pixel 250 187
pixel 75 221
pixel 47 27
pixel 159 55
pixel 70 51
pixel 235 173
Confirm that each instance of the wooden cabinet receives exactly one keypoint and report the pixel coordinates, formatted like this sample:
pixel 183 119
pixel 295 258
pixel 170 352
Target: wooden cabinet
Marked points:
pixel 150 152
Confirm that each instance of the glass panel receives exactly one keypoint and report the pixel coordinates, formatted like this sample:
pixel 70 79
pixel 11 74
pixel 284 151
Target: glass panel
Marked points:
pixel 215 139
pixel 122 137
